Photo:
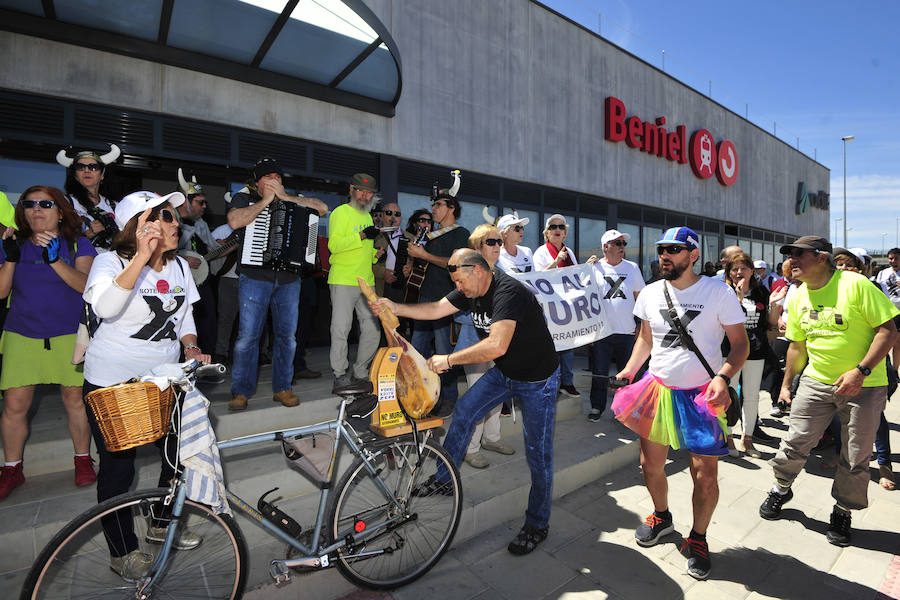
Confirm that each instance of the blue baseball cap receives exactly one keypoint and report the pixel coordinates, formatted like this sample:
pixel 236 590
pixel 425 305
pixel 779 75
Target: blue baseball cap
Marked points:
pixel 681 235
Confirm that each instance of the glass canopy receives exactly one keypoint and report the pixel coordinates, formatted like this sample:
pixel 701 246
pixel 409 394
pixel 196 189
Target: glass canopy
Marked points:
pixel 332 50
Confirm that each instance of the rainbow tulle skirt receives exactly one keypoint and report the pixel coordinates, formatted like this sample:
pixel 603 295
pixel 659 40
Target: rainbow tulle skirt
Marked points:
pixel 679 418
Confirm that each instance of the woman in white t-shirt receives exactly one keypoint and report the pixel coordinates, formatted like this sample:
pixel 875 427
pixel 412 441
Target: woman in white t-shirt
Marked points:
pixel 143 294
pixel 513 258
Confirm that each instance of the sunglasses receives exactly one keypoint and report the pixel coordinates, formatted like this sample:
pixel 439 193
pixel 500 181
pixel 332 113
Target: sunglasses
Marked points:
pixel 670 249
pixel 798 252
pixel 166 215
pixel 88 167
pixel 454 268
pixel 423 220
pixel 492 241
pixel 392 213
pixel 45 204
pixel 518 228
pixel 620 243
pixel 555 226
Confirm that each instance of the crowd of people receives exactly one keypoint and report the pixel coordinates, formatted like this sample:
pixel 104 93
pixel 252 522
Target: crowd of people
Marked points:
pixel 692 348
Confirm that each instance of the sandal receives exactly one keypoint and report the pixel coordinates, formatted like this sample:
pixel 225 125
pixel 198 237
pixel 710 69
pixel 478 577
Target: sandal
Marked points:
pixel 887 478
pixel 527 540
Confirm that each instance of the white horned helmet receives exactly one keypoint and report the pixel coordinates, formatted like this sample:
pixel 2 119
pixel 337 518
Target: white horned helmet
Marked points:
pixel 67 156
pixel 490 220
pixel 190 188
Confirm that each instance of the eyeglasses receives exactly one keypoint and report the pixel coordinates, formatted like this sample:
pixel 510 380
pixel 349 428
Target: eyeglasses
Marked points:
pixel 619 243
pixel 555 226
pixel 166 215
pixel 88 167
pixel 436 204
pixel 670 249
pixel 453 268
pixel 393 213
pixel 517 228
pixel 492 241
pixel 45 204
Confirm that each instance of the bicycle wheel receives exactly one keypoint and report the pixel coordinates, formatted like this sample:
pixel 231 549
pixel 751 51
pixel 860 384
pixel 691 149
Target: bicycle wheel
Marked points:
pixel 396 555
pixel 76 562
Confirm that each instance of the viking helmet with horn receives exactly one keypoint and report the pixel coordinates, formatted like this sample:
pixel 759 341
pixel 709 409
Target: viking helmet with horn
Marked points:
pixel 67 156
pixel 491 220
pixel 449 194
pixel 190 188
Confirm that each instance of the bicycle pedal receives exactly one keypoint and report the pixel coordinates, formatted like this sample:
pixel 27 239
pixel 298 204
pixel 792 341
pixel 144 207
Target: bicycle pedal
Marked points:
pixel 279 573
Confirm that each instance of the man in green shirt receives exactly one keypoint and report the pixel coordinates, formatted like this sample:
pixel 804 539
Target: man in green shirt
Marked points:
pixel 843 326
pixel 350 241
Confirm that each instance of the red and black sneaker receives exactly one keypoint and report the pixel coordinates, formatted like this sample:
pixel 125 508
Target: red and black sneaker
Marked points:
pixel 698 563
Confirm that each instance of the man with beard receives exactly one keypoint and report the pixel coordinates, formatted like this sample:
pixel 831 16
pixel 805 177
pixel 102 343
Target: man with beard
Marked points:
pixel 676 403
pixel 351 236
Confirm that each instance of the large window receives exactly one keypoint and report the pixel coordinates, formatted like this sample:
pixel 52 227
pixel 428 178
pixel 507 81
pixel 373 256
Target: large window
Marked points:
pixel 590 232
pixel 648 247
pixel 472 214
pixel 633 250
pixel 532 237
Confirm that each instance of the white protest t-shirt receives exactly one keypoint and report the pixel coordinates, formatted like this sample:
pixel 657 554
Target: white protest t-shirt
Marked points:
pixel 890 282
pixel 542 258
pixel 621 283
pixel 704 309
pixel 148 330
pixel 522 262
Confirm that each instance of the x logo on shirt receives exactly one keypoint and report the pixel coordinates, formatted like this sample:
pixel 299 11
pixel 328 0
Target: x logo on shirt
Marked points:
pixel 672 339
pixel 615 288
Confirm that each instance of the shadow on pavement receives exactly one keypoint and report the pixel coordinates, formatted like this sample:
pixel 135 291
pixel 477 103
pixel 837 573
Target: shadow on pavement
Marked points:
pixel 869 539
pixel 781 576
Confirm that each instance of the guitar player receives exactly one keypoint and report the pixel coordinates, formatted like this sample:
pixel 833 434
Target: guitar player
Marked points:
pixel 433 337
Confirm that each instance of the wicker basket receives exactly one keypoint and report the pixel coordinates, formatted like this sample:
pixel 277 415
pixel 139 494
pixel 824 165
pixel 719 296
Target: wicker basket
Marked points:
pixel 131 414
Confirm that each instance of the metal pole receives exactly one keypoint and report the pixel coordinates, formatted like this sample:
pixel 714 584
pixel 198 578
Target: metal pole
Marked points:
pixel 845 193
pixel 664 60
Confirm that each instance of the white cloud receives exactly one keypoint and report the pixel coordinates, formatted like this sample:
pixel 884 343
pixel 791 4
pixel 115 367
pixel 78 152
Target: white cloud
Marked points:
pixel 873 208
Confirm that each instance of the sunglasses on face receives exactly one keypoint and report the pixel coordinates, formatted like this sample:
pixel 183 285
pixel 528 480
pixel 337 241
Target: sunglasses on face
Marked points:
pixel 166 215
pixel 797 252
pixel 555 226
pixel 392 213
pixel 517 228
pixel 423 220
pixel 454 268
pixel 45 204
pixel 88 166
pixel 492 241
pixel 620 243
pixel 670 249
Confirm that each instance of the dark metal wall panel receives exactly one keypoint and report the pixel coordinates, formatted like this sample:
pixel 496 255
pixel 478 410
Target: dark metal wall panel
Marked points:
pixel 114 127
pixel 194 139
pixel 334 162
pixel 31 119
pixel 290 154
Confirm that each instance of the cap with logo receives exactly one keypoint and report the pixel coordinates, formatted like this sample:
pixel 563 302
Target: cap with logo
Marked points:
pixel 680 235
pixel 808 242
pixel 265 166
pixel 510 220
pixel 361 181
pixel 614 234
pixel 137 202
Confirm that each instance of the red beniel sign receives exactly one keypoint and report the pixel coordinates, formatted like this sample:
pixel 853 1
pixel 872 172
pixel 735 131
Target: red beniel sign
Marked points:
pixel 706 157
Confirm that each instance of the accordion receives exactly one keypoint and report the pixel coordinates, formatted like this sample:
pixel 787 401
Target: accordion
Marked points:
pixel 282 237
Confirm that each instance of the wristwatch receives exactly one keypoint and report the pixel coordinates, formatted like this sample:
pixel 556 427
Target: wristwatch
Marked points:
pixel 866 371
pixel 725 377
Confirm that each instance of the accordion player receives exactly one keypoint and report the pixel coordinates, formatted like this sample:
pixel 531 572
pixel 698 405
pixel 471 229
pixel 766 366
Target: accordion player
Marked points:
pixel 283 237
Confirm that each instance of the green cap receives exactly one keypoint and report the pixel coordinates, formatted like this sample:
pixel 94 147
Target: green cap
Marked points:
pixel 361 181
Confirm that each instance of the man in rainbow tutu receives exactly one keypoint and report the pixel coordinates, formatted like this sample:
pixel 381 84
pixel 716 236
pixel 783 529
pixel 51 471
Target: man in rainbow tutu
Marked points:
pixel 841 327
pixel 678 402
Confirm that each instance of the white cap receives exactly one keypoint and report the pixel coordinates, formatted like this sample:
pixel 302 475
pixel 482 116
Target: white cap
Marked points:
pixel 861 254
pixel 760 264
pixel 614 234
pixel 556 216
pixel 137 202
pixel 510 220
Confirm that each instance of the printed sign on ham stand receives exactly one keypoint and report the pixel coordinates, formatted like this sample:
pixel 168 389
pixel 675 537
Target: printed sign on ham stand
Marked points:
pixel 572 299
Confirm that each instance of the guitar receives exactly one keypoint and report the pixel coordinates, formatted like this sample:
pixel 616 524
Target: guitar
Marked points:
pixel 201 272
pixel 417 276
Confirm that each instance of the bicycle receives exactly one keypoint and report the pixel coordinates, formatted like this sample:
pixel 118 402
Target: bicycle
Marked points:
pixel 386 524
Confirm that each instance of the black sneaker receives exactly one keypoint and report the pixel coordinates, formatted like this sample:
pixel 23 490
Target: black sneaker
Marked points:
pixel 698 563
pixel 653 528
pixel 771 508
pixel 594 416
pixel 839 531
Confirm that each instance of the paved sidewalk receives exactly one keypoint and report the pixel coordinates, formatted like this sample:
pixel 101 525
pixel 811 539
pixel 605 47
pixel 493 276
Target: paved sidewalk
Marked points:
pixel 591 553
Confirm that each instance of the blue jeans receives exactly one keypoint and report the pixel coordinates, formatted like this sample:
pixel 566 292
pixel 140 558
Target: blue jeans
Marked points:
pixel 567 377
pixel 615 347
pixel 254 298
pixel 538 401
pixel 426 333
pixel 883 443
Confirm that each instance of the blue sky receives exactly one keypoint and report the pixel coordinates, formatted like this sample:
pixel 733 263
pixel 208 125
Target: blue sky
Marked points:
pixel 817 70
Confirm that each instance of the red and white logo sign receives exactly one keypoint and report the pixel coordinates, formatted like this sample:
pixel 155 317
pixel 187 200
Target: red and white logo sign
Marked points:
pixel 162 286
pixel 706 157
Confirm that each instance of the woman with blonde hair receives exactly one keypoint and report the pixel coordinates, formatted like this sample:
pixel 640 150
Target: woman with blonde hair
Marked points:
pixel 486 240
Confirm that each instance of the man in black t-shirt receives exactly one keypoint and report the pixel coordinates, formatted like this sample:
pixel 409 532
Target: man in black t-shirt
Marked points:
pixel 514 334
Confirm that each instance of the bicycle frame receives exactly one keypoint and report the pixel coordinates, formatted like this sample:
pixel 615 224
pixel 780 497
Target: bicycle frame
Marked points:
pixel 314 557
